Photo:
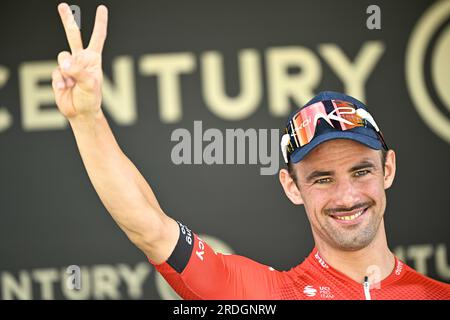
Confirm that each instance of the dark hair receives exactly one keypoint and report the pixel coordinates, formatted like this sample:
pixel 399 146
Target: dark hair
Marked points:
pixel 290 166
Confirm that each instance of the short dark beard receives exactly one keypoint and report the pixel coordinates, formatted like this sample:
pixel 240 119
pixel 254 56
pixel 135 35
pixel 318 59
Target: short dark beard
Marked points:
pixel 348 242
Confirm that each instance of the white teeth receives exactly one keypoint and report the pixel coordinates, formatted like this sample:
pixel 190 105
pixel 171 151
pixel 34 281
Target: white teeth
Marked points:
pixel 348 218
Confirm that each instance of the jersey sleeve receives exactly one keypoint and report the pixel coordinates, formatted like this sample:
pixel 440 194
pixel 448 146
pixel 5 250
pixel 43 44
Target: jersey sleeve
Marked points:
pixel 195 271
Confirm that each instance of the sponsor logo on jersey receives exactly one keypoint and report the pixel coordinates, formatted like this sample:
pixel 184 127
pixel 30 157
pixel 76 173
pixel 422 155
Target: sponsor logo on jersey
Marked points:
pixel 323 291
pixel 399 268
pixel 320 260
pixel 310 291
pixel 185 231
pixel 201 249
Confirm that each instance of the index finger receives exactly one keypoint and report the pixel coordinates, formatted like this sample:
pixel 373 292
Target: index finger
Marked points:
pixel 99 34
pixel 70 26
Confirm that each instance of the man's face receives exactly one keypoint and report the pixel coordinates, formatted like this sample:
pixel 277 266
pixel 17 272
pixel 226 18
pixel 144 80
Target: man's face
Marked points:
pixel 342 185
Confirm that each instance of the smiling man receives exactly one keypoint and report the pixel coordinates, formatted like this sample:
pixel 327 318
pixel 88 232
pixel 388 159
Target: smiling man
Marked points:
pixel 338 167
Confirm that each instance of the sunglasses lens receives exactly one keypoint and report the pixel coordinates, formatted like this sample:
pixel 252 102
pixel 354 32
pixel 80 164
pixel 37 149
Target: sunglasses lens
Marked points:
pixel 340 115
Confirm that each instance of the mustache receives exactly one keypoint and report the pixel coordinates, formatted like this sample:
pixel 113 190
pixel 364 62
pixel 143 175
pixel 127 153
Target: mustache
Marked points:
pixel 331 211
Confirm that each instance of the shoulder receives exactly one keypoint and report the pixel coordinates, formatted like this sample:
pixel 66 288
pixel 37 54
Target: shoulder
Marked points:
pixel 430 288
pixel 412 276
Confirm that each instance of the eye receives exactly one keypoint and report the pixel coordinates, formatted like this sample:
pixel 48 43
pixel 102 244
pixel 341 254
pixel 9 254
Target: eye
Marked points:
pixel 323 180
pixel 361 173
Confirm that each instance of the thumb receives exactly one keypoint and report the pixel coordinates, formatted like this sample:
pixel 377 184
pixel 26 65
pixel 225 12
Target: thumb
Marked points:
pixel 77 70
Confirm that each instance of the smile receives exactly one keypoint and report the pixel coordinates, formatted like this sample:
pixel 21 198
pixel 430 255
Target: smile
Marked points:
pixel 351 216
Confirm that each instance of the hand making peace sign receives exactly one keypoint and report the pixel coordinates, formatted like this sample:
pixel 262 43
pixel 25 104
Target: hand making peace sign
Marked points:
pixel 77 81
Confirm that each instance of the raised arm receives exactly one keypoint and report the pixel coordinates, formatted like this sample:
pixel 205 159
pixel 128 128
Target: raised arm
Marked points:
pixel 77 83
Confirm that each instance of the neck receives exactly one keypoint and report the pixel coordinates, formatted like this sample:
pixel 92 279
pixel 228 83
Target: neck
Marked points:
pixel 375 261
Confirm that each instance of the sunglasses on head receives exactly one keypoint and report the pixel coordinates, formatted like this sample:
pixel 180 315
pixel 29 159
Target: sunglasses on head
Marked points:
pixel 340 115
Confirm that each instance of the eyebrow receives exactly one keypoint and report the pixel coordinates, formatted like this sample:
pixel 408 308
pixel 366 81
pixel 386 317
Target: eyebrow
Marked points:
pixel 316 174
pixel 364 164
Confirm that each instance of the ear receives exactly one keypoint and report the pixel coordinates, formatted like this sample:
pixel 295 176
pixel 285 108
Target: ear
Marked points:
pixel 290 187
pixel 389 169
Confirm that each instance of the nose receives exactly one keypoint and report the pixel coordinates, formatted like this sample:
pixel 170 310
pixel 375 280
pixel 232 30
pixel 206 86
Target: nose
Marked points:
pixel 346 194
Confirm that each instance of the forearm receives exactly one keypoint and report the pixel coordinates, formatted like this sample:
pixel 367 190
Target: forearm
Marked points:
pixel 121 188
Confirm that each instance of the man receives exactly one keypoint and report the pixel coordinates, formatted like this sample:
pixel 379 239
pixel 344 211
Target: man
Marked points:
pixel 339 168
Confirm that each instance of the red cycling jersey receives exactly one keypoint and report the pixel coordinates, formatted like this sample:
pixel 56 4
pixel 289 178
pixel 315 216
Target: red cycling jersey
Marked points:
pixel 195 271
